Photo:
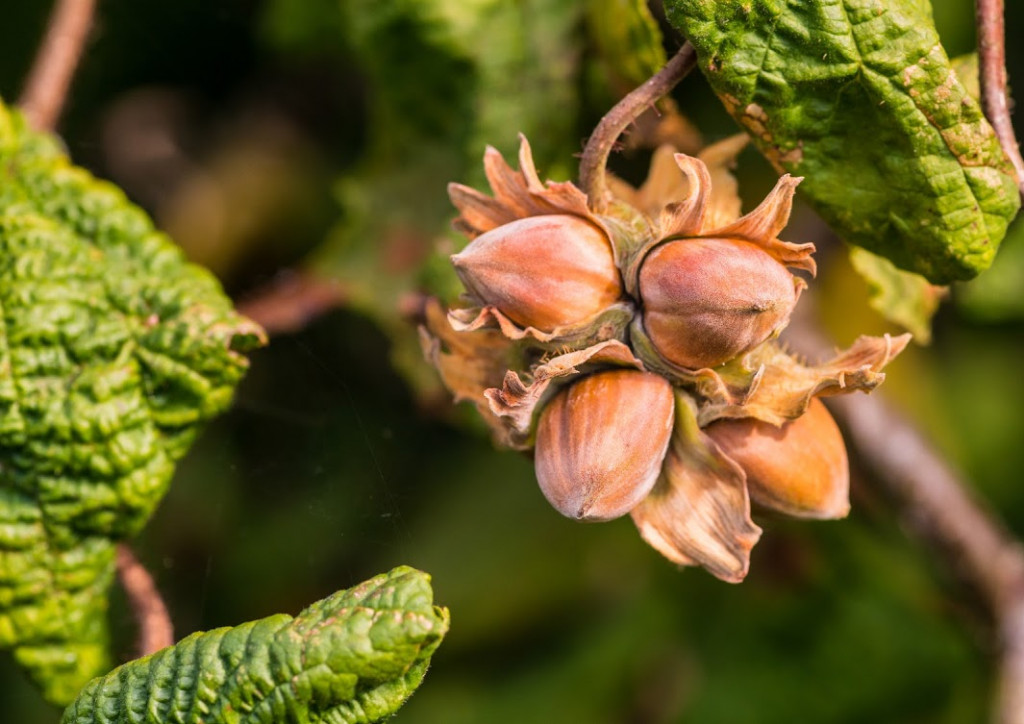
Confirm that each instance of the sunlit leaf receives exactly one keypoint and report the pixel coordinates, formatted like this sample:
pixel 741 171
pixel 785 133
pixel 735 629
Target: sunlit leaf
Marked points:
pixel 113 350
pixel 860 98
pixel 352 658
pixel 905 298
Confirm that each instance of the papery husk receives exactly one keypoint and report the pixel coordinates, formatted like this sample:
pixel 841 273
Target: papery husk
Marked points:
pixel 516 402
pixel 469 362
pixel 770 384
pixel 785 386
pixel 517 195
pixel 610 323
pixel 699 511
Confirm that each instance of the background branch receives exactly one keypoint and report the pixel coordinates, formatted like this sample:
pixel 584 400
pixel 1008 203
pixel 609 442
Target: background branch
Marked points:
pixel 992 72
pixel 291 300
pixel 50 77
pixel 940 509
pixel 601 142
pixel 155 629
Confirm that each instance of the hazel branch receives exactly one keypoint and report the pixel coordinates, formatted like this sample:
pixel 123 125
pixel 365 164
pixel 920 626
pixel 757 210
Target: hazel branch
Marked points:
pixel 291 301
pixel 155 629
pixel 939 508
pixel 56 60
pixel 601 142
pixel 992 72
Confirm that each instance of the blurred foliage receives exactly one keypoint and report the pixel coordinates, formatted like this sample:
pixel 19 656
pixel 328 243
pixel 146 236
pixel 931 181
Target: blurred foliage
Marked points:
pixel 331 468
pixel 902 297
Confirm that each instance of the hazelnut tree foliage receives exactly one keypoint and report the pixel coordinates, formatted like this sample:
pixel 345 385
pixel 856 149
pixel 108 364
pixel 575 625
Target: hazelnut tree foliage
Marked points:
pixel 114 351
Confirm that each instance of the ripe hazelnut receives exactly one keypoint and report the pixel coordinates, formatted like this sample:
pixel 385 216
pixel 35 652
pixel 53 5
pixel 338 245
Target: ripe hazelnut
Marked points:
pixel 601 443
pixel 706 301
pixel 800 468
pixel 543 272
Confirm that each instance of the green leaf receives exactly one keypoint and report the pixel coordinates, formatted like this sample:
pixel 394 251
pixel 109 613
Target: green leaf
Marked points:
pixel 113 350
pixel 354 657
pixel 902 297
pixel 859 97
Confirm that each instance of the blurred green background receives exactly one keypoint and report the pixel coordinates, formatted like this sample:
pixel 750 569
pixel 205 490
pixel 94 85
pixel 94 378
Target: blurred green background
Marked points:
pixel 319 135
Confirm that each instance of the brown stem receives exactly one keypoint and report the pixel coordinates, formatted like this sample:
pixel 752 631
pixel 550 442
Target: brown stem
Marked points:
pixel 47 86
pixel 941 510
pixel 155 629
pixel 992 72
pixel 617 120
pixel 291 301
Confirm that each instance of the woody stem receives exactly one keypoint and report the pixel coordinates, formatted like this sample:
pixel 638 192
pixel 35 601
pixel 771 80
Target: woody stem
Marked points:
pixel 593 177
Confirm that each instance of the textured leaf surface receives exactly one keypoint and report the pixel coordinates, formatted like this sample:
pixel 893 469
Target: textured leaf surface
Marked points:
pixel 112 351
pixel 860 98
pixel 354 657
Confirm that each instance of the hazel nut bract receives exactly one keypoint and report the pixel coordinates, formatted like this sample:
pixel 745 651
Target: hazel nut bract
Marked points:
pixel 544 272
pixel 601 443
pixel 707 301
pixel 800 469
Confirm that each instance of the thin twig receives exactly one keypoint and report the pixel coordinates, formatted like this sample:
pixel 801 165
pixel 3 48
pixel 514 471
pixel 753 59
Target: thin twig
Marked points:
pixel 992 72
pixel 617 120
pixel 941 510
pixel 56 60
pixel 155 629
pixel 291 301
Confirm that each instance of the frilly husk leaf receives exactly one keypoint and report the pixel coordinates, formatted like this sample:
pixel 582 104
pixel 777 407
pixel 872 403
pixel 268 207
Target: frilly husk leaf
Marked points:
pixel 664 184
pixel 469 362
pixel 699 510
pixel 515 403
pixel 762 226
pixel 517 195
pixel 725 204
pixel 784 388
pixel 608 324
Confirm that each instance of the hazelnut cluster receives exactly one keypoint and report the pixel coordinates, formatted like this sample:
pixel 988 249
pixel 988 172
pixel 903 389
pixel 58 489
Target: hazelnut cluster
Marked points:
pixel 635 352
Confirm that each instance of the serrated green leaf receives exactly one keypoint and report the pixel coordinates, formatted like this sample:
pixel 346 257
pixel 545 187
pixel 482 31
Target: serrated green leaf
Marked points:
pixel 902 297
pixel 859 97
pixel 113 349
pixel 352 658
